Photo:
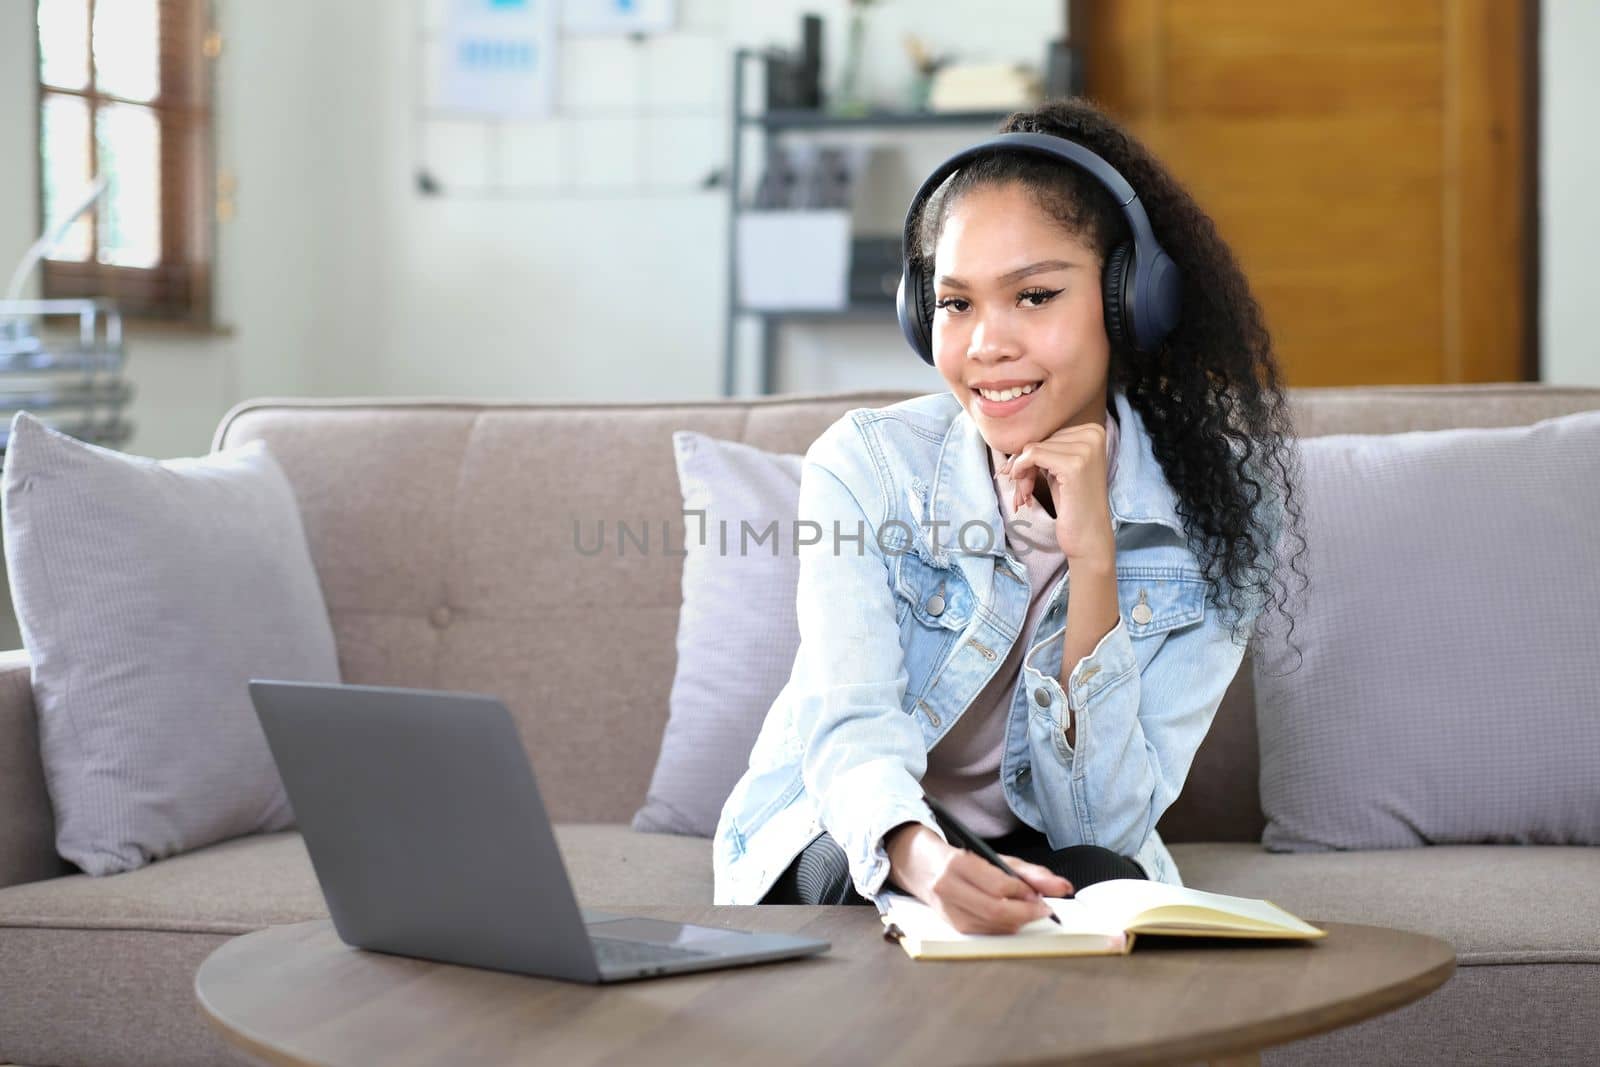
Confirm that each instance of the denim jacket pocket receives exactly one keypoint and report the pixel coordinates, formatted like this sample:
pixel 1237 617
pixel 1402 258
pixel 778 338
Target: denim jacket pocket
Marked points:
pixel 938 596
pixel 1154 601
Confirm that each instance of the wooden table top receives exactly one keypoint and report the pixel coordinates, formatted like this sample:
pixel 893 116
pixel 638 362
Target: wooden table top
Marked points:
pixel 298 995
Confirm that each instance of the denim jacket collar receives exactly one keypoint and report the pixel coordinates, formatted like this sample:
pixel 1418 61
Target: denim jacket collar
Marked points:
pixel 963 485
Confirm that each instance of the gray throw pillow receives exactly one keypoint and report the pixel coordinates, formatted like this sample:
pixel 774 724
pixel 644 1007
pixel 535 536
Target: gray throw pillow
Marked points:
pixel 1450 686
pixel 737 629
pixel 148 593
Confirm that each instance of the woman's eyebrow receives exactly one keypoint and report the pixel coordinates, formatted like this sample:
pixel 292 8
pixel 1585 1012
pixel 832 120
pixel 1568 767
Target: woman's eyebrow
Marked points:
pixel 1041 267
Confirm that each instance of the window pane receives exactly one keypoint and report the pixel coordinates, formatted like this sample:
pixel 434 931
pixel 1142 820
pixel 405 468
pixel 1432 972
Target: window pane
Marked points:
pixel 64 43
pixel 65 152
pixel 126 48
pixel 129 142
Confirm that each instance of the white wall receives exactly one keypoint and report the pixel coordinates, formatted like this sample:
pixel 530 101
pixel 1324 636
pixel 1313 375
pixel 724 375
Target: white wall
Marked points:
pixel 17 175
pixel 1569 210
pixel 622 297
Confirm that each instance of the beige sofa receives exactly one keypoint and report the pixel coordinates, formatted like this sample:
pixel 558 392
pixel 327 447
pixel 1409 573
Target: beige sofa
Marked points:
pixel 443 537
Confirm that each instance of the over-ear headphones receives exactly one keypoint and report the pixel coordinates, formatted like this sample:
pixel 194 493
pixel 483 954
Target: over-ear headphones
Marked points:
pixel 1142 287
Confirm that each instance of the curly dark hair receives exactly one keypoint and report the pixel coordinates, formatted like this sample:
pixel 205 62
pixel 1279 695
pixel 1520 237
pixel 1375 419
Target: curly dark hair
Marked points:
pixel 1210 394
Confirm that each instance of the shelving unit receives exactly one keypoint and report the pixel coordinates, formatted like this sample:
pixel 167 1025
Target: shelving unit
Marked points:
pixel 776 123
pixel 76 385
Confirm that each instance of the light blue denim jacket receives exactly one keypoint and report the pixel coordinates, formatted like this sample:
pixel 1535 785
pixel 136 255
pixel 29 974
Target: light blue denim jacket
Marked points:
pixel 908 602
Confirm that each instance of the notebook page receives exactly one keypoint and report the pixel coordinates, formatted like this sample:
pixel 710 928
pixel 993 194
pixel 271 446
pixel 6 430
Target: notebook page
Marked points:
pixel 1122 901
pixel 923 923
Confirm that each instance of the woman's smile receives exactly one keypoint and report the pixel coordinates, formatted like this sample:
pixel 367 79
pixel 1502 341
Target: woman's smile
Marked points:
pixel 990 404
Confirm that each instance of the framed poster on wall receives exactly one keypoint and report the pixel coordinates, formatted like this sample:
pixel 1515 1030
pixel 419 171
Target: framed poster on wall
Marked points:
pixel 499 58
pixel 616 16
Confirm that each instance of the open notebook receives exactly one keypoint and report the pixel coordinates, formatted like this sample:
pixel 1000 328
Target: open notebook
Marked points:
pixel 1101 920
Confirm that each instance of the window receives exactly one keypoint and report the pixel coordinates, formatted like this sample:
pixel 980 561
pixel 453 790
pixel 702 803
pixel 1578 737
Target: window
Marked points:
pixel 124 92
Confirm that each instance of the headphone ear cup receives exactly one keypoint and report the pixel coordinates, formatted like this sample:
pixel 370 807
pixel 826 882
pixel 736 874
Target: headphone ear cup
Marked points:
pixel 925 311
pixel 913 305
pixel 1114 286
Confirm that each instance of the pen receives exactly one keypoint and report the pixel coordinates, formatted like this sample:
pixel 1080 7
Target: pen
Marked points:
pixel 968 839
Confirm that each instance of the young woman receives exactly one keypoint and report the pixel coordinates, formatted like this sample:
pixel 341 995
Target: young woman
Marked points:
pixel 1113 429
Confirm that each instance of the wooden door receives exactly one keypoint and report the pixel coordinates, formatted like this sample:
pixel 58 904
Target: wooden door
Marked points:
pixel 1371 162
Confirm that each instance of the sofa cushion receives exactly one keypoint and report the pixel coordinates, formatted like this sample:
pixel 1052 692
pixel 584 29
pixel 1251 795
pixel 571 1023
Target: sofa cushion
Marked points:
pixel 1494 903
pixel 1445 689
pixel 737 629
pixel 101 970
pixel 27 828
pixel 230 888
pixel 257 881
pixel 149 592
pixel 614 866
pixel 107 998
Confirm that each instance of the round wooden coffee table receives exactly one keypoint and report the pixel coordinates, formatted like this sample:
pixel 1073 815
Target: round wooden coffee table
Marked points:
pixel 298 995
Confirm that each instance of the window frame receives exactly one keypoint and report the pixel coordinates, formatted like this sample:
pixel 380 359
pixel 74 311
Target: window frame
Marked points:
pixel 179 289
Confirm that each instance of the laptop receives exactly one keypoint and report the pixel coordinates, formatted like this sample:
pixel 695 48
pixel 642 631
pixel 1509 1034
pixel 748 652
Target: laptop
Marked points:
pixel 428 835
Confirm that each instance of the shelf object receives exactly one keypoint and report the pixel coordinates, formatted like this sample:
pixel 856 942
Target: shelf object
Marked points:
pixel 778 123
pixel 77 385
pixel 821 120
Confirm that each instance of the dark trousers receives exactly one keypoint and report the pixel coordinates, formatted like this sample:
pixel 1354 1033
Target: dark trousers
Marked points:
pixel 821 874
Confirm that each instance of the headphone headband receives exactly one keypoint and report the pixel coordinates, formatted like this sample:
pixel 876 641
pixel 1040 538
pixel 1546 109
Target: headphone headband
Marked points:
pixel 1142 285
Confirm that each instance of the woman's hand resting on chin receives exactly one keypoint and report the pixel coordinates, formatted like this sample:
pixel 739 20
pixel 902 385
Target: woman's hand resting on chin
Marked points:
pixel 1073 462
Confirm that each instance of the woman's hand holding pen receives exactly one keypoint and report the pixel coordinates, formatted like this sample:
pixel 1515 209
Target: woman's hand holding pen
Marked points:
pixel 971 894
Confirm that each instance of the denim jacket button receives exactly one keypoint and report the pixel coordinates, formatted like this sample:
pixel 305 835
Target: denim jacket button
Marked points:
pixel 1141 612
pixel 1041 697
pixel 936 604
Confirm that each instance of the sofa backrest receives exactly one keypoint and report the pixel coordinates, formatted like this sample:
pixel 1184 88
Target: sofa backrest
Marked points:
pixel 454 541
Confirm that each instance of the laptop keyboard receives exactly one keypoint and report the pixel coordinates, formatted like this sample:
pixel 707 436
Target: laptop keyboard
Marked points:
pixel 614 953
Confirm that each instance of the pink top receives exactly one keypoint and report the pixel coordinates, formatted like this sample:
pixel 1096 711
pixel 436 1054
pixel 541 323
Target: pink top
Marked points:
pixel 964 767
